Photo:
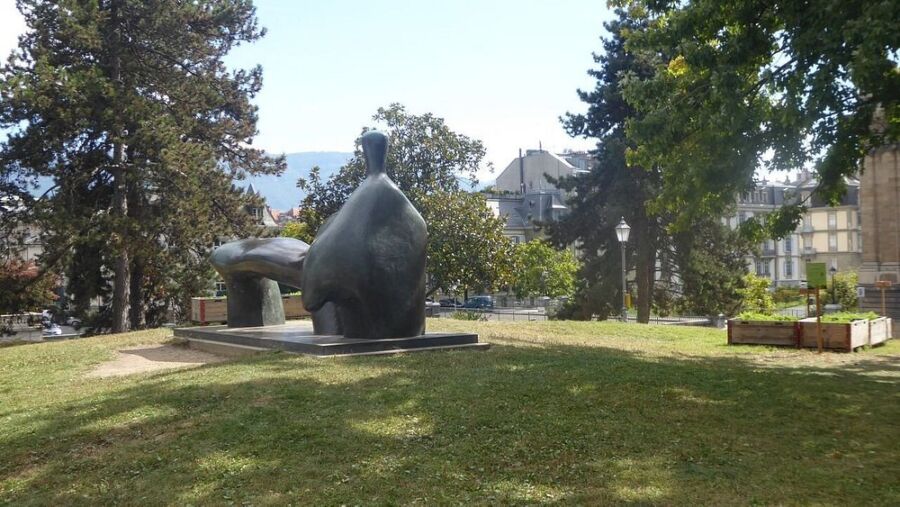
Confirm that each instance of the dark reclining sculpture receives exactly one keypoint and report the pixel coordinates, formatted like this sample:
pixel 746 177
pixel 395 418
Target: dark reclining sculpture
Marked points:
pixel 363 276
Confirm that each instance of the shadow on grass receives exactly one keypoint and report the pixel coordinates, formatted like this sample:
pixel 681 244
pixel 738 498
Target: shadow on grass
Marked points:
pixel 561 423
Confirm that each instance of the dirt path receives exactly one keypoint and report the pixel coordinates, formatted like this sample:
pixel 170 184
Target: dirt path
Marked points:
pixel 153 358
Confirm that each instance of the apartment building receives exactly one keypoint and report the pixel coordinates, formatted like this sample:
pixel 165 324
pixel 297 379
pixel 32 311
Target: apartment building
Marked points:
pixel 829 234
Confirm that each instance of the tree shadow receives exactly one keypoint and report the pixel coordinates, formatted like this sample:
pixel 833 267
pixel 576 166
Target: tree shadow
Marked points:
pixel 555 424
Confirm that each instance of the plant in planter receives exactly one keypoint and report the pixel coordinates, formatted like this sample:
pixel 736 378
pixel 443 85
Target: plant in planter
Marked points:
pixel 762 329
pixel 845 330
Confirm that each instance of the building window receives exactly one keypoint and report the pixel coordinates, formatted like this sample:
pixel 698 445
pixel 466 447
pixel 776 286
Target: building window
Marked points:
pixel 788 245
pixel 849 242
pixel 788 268
pixel 832 220
pixel 742 217
pixel 832 242
pixel 849 219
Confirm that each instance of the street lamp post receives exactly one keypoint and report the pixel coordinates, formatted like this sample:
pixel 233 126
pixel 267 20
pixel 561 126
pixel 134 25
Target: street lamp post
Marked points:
pixel 833 270
pixel 622 232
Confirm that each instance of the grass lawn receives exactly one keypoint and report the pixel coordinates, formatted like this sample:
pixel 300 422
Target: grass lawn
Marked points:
pixel 555 412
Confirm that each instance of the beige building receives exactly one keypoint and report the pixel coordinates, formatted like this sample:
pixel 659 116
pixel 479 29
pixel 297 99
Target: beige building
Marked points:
pixel 829 234
pixel 526 174
pixel 524 197
pixel 880 206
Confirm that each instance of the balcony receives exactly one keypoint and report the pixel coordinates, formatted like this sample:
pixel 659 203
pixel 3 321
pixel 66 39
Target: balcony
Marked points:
pixel 808 250
pixel 768 252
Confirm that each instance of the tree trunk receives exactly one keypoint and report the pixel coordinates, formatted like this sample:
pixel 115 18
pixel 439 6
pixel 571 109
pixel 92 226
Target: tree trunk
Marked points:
pixel 645 266
pixel 122 282
pixel 137 313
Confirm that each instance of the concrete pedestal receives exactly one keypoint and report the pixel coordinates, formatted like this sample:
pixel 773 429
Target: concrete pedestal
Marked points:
pixel 298 337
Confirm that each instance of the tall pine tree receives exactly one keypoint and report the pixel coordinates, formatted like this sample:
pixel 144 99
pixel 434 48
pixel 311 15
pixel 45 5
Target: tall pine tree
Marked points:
pixel 127 107
pixel 666 266
pixel 611 190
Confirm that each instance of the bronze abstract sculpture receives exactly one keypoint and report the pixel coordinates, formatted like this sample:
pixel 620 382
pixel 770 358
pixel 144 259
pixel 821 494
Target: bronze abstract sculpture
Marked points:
pixel 362 277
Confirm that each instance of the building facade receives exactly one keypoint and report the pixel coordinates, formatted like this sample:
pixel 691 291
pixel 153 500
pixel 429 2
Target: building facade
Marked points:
pixel 523 195
pixel 829 234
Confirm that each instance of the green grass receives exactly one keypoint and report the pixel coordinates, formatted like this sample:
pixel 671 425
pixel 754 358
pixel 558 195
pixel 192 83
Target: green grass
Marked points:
pixel 554 412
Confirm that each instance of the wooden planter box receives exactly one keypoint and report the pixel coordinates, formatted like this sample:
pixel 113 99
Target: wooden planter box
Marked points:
pixel 293 307
pixel 879 330
pixel 763 332
pixel 209 310
pixel 215 310
pixel 839 336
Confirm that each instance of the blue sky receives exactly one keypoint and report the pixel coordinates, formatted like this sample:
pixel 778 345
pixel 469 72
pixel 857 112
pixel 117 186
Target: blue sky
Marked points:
pixel 502 71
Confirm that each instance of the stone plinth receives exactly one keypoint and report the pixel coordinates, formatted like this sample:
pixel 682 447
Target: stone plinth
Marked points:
pixel 298 337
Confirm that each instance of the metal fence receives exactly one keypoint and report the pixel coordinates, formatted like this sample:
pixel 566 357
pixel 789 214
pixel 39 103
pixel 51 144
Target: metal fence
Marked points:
pixel 525 314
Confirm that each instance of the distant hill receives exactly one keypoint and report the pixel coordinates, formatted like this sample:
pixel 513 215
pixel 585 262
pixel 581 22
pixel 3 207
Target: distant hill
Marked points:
pixel 281 192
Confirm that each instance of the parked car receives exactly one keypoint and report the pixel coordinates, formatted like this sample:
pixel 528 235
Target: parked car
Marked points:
pixel 479 302
pixel 73 321
pixel 450 303
pixel 429 303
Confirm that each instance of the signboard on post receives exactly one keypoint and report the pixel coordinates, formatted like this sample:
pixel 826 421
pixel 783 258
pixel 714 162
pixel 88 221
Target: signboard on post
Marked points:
pixel 815 280
pixel 815 275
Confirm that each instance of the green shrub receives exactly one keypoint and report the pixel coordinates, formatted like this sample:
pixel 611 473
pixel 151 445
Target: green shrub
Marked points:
pixel 756 316
pixel 755 295
pixel 845 289
pixel 468 315
pixel 786 294
pixel 845 317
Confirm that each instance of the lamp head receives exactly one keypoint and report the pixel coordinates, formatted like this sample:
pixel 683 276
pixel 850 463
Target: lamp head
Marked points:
pixel 623 230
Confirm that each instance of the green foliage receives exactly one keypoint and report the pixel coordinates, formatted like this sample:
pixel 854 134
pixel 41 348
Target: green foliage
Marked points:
pixel 765 317
pixel 466 247
pixel 698 272
pixel 710 263
pixel 297 230
pixel 610 191
pixel 756 296
pixel 542 270
pixel 844 289
pixel 749 84
pixel 24 289
pixel 786 294
pixel 468 315
pixel 128 107
pixel 845 317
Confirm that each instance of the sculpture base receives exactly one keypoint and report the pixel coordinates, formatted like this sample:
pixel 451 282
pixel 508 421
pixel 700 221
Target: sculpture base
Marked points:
pixel 298 337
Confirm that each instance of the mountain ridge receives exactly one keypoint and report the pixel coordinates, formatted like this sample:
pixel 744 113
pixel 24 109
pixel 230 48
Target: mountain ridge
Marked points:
pixel 281 192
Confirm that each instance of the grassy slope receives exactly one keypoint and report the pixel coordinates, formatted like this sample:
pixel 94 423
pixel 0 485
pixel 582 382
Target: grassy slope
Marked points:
pixel 554 412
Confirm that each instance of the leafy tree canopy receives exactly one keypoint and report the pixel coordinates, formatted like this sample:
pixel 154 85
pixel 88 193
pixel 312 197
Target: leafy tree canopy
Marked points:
pixel 22 291
pixel 128 107
pixel 541 270
pixel 743 85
